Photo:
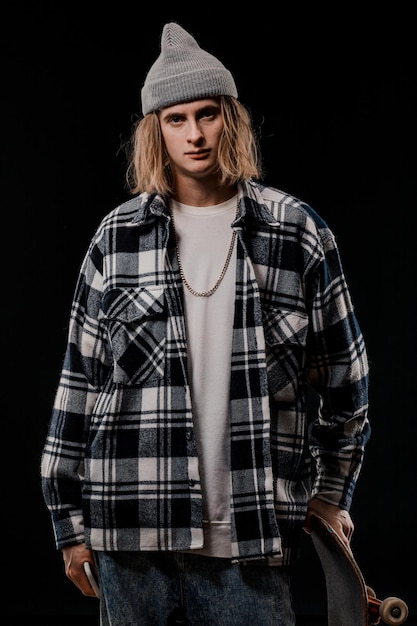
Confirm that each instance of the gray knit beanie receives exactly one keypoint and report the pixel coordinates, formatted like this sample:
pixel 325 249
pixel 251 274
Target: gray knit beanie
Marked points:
pixel 183 72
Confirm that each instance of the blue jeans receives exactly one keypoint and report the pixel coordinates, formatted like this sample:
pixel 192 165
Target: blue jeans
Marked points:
pixel 164 588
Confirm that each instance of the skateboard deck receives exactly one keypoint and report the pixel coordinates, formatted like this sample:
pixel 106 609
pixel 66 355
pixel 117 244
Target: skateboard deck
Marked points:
pixel 350 602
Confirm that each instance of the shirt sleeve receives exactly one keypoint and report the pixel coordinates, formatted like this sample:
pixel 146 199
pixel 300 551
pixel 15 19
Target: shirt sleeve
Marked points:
pixel 85 368
pixel 338 371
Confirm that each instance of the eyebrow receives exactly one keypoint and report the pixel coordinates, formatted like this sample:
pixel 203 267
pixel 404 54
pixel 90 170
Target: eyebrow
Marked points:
pixel 203 107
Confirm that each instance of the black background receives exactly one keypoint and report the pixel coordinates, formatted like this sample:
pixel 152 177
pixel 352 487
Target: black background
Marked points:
pixel 332 92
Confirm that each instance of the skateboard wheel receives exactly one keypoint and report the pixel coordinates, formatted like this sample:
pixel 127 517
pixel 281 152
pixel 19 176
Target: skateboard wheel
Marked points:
pixel 393 611
pixel 371 593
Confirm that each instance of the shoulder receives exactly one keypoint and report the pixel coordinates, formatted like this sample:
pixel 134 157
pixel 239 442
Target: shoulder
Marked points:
pixel 126 211
pixel 284 206
pixel 297 220
pixel 128 214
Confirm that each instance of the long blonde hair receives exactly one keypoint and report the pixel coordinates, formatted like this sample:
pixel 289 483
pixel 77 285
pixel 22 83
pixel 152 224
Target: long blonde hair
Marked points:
pixel 238 157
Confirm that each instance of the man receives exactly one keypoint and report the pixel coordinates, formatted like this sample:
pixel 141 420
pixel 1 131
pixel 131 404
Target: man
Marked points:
pixel 178 458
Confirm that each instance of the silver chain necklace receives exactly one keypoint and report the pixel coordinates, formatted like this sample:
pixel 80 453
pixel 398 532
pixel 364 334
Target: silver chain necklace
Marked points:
pixel 202 294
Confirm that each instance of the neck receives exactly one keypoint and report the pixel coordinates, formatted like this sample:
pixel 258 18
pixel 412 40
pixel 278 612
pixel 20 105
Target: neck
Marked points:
pixel 203 195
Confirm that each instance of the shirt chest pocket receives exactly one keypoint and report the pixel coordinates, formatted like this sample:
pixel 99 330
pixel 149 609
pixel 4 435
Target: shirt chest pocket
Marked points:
pixel 285 337
pixel 137 326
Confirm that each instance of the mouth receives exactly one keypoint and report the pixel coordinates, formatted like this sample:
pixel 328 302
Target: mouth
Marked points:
pixel 198 154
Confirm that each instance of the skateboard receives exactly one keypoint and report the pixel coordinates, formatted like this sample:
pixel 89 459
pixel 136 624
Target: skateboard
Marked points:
pixel 350 601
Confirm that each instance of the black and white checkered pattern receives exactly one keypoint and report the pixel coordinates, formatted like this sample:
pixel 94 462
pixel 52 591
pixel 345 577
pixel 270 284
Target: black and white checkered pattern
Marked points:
pixel 120 467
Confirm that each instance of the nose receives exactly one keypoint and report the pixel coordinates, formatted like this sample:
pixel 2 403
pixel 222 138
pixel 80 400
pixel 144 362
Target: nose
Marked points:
pixel 195 134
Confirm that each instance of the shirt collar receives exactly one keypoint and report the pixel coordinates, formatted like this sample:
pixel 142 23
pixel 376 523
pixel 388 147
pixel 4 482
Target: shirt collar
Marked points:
pixel 251 203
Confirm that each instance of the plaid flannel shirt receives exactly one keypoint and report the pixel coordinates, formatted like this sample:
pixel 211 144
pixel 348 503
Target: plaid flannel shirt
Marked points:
pixel 120 469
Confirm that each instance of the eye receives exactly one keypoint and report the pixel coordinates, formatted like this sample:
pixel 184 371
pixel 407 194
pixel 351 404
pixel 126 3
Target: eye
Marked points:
pixel 207 113
pixel 175 119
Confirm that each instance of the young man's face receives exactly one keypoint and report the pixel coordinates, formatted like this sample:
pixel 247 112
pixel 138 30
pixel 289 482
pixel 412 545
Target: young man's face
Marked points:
pixel 191 132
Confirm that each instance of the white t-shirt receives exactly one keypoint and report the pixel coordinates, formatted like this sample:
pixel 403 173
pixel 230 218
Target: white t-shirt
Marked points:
pixel 204 236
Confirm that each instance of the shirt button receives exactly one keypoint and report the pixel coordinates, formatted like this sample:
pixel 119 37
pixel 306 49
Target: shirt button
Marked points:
pixel 191 482
pixel 189 435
